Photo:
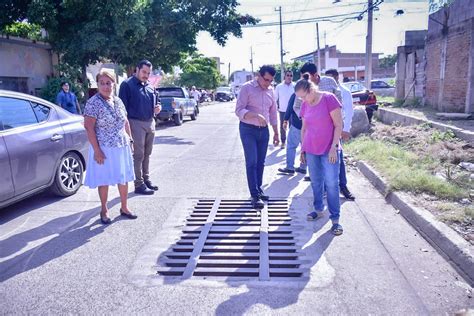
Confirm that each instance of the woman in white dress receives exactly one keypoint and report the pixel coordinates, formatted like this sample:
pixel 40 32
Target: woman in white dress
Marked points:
pixel 110 155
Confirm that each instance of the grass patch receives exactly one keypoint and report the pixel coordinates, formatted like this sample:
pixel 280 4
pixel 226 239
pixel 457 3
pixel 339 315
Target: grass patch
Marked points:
pixel 403 169
pixel 385 99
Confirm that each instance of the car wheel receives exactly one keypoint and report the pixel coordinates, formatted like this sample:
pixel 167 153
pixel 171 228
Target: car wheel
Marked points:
pixel 178 119
pixel 193 116
pixel 69 175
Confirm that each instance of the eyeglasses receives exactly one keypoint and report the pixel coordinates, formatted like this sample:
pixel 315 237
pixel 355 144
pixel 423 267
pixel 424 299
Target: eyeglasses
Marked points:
pixel 107 83
pixel 267 80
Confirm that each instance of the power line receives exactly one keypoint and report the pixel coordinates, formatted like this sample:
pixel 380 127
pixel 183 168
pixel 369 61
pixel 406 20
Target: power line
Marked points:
pixel 311 9
pixel 329 18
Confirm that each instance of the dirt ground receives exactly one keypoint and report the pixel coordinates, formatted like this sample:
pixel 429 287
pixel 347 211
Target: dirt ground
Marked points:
pixel 430 114
pixel 449 152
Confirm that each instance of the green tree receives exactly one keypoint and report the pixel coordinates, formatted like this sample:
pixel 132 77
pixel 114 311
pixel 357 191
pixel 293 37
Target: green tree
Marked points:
pixel 200 71
pixel 126 31
pixel 294 66
pixel 388 61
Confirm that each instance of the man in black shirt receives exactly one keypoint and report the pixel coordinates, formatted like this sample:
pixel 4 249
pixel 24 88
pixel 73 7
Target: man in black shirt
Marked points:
pixel 141 102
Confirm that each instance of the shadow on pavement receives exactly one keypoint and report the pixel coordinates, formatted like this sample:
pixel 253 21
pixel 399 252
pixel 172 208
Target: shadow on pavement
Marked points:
pixel 70 232
pixel 273 158
pixel 29 204
pixel 171 140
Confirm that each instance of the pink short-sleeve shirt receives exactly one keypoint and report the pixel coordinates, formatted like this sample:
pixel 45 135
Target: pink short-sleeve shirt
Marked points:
pixel 319 125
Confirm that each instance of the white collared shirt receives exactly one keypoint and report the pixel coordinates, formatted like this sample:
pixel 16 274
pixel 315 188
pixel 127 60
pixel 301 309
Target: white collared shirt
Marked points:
pixel 283 94
pixel 347 108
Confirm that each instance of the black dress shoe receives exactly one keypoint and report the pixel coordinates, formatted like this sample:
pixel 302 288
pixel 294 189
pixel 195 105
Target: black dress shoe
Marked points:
pixel 143 190
pixel 300 170
pixel 128 215
pixel 257 203
pixel 286 170
pixel 307 178
pixel 264 197
pixel 347 194
pixel 150 185
pixel 105 220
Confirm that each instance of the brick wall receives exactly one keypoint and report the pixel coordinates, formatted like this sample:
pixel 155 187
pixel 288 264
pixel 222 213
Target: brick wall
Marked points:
pixel 450 94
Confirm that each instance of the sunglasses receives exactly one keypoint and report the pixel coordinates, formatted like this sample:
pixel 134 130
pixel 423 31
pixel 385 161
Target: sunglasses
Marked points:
pixel 267 80
pixel 289 75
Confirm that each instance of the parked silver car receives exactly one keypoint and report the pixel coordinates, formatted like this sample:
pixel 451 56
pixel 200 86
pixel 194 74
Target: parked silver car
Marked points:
pixel 41 146
pixel 381 88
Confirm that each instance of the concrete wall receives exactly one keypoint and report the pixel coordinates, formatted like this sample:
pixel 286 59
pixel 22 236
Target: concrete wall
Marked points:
pixel 24 59
pixel 415 38
pixel 449 57
pixel 411 75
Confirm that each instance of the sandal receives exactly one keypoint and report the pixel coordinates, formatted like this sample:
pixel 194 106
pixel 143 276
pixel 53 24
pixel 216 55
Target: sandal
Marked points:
pixel 336 229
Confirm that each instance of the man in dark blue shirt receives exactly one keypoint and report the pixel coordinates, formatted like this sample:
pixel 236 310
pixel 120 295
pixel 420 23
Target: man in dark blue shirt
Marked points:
pixel 67 100
pixel 141 102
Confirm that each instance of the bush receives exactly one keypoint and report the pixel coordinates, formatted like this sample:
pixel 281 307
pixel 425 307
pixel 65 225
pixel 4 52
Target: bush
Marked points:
pixel 71 75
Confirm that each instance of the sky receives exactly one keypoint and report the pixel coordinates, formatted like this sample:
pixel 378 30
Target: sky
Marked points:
pixel 299 39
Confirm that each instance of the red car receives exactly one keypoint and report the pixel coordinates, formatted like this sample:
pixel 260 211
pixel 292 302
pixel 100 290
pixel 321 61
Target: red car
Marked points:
pixel 363 96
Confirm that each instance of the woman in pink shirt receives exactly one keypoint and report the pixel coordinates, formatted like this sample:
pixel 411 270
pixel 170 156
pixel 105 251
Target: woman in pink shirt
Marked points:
pixel 320 135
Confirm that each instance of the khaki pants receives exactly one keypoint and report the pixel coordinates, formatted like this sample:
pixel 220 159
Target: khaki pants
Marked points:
pixel 143 133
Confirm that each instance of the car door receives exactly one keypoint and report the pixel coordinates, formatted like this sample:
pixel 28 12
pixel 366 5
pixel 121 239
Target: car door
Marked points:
pixel 34 140
pixel 6 182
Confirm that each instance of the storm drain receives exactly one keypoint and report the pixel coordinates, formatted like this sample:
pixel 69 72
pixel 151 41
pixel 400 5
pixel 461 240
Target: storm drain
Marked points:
pixel 228 238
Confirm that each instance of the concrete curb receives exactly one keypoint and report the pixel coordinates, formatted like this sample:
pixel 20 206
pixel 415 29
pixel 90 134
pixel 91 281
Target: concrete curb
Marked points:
pixel 389 117
pixel 448 243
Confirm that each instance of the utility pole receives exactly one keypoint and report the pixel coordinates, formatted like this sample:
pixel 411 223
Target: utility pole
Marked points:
pixel 282 71
pixel 228 74
pixel 251 58
pixel 368 46
pixel 319 49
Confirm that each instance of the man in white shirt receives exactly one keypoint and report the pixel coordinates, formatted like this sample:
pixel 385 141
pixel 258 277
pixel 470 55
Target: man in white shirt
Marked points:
pixel 195 94
pixel 283 92
pixel 347 113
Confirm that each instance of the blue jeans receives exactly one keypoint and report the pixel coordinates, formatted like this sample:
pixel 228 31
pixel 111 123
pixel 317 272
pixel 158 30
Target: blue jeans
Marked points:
pixel 325 174
pixel 342 172
pixel 294 140
pixel 255 142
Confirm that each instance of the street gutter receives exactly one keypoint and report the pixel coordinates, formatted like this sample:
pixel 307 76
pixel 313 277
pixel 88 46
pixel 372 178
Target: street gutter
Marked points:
pixel 445 240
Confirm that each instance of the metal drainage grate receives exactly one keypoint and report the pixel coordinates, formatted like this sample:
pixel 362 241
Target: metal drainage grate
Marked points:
pixel 228 238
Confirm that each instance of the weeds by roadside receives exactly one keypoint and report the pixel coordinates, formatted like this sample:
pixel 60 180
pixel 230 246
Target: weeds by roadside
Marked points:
pixel 424 162
pixel 405 170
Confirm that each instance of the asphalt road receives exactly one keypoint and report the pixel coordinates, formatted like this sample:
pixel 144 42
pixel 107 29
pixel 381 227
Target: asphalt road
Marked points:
pixel 56 258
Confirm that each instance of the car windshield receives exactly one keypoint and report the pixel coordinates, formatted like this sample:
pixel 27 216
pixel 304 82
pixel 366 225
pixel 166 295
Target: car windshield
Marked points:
pixel 171 92
pixel 223 89
pixel 354 86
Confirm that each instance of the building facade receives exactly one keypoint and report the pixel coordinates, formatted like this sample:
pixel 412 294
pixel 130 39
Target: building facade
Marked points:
pixel 25 65
pixel 350 65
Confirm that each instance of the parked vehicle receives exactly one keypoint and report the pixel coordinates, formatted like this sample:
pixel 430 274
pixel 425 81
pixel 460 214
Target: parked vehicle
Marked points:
pixel 41 146
pixel 176 104
pixel 224 94
pixel 362 96
pixel 381 88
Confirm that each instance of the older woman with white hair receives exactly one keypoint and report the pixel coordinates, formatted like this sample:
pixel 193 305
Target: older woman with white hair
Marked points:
pixel 110 156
